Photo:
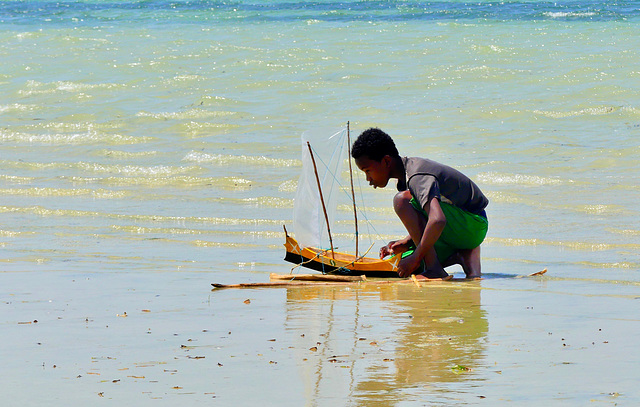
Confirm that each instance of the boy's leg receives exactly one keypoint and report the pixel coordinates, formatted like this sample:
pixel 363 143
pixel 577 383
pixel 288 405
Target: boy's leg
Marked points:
pixel 415 223
pixel 464 234
pixel 469 259
pixel 471 262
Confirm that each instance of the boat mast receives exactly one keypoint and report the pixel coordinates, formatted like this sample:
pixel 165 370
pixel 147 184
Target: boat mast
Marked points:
pixel 353 194
pixel 324 208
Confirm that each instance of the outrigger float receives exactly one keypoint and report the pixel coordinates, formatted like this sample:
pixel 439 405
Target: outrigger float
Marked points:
pixel 306 280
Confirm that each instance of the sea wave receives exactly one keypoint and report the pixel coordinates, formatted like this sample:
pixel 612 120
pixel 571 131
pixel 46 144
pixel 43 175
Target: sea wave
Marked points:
pixel 225 159
pixel 496 178
pixel 204 243
pixel 60 192
pixel 125 170
pixel 14 179
pixel 228 183
pixel 40 88
pixel 84 126
pixel 91 137
pixel 17 107
pixel 612 265
pixel 590 111
pixel 188 114
pixel 288 186
pixel 258 202
pixel 46 212
pixel 189 12
pixel 126 154
pixel 11 233
pixel 205 128
pixel 585 246
pixel 567 14
pixel 599 209
pixel 628 232
pixel 142 230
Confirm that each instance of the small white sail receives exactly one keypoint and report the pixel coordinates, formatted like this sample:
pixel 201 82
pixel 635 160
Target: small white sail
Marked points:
pixel 330 152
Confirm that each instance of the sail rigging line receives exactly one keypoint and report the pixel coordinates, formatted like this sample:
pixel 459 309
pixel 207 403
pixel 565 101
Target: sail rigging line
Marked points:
pixel 345 269
pixel 324 208
pixel 365 253
pixel 322 164
pixel 371 229
pixel 317 256
pixel 353 194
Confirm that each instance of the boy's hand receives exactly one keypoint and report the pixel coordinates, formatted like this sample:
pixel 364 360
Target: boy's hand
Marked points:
pixel 388 249
pixel 394 247
pixel 408 265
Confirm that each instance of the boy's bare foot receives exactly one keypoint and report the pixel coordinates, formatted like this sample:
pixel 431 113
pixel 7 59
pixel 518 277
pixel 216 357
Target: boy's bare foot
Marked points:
pixel 434 275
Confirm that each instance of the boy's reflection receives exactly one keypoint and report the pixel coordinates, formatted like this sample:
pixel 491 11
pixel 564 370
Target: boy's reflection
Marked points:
pixel 432 335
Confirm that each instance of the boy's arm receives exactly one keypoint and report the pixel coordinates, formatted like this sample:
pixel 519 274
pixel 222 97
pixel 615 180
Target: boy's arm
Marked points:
pixel 435 225
pixel 436 222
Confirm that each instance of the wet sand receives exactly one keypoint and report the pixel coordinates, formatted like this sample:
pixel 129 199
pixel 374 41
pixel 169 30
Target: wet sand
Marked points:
pixel 135 340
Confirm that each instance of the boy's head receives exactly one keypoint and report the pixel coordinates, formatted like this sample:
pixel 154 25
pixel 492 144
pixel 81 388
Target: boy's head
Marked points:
pixel 375 144
pixel 375 154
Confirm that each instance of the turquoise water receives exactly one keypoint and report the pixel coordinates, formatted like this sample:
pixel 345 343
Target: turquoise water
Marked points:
pixel 149 148
pixel 164 135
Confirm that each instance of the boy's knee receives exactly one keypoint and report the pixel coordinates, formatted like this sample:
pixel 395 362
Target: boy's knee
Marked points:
pixel 402 200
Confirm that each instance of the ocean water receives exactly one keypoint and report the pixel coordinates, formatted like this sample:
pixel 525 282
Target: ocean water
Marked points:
pixel 148 148
pixel 164 136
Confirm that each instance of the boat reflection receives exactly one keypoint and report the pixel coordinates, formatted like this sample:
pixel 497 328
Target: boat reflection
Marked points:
pixel 377 346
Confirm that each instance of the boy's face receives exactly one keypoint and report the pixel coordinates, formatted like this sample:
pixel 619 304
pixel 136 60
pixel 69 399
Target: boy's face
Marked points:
pixel 377 172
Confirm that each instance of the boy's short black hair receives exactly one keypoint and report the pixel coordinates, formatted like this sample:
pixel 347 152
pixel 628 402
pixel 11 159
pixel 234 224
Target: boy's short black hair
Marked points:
pixel 375 144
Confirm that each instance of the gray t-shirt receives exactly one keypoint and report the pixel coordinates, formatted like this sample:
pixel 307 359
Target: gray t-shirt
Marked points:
pixel 427 179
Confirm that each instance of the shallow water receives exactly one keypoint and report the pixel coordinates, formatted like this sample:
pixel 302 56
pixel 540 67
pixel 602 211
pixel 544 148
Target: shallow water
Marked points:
pixel 129 338
pixel 138 138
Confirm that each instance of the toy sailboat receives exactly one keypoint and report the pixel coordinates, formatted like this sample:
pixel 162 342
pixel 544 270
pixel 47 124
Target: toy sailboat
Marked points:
pixel 314 209
pixel 329 262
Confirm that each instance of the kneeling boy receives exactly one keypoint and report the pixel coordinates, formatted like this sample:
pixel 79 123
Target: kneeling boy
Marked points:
pixel 441 208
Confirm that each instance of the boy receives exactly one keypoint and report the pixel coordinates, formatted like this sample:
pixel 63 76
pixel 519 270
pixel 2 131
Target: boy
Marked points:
pixel 441 208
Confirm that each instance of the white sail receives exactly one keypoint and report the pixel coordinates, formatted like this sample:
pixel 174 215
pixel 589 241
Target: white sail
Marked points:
pixel 330 152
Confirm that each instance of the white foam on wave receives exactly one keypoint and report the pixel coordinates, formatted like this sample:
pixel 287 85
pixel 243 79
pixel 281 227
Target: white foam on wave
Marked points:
pixel 42 211
pixel 188 114
pixel 574 245
pixel 14 179
pixel 134 170
pixel 97 168
pixel 591 111
pixel 70 126
pixel 628 232
pixel 63 192
pixel 288 186
pixel 224 159
pixel 599 209
pixel 495 178
pixel 126 154
pixel 16 107
pixel 90 137
pixel 565 14
pixel 39 88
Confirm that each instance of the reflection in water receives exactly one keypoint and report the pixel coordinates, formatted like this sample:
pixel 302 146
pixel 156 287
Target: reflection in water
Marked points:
pixel 377 346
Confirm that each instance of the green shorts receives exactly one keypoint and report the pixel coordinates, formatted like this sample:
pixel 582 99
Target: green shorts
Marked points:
pixel 464 230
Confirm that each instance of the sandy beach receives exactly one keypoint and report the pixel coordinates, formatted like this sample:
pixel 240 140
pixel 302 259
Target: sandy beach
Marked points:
pixel 126 339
